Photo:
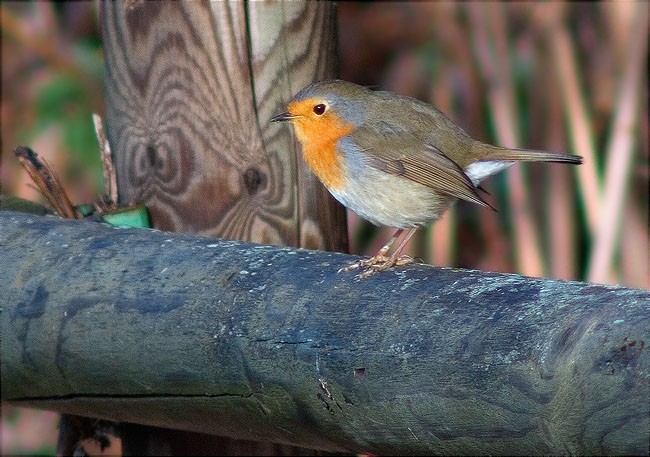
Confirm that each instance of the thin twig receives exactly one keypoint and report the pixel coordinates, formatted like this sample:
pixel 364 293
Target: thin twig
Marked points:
pixel 110 179
pixel 47 181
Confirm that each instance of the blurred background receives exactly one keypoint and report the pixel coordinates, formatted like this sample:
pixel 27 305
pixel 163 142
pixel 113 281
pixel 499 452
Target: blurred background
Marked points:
pixel 557 76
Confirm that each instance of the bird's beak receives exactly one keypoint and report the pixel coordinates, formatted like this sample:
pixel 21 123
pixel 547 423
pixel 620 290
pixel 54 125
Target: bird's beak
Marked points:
pixel 283 117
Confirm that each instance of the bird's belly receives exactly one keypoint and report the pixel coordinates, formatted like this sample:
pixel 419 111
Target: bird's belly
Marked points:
pixel 390 200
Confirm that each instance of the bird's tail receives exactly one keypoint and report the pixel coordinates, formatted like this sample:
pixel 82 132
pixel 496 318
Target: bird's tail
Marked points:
pixel 527 155
pixel 493 159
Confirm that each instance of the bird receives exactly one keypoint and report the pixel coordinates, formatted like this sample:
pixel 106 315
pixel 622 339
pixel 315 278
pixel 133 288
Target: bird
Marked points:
pixel 394 160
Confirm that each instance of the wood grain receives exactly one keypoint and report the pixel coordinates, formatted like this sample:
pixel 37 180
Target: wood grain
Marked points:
pixel 190 89
pixel 272 344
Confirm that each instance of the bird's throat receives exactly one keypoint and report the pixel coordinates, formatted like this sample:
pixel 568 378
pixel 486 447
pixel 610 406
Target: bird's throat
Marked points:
pixel 319 148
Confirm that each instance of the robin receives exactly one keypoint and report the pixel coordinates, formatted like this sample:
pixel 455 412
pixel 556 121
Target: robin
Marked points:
pixel 394 160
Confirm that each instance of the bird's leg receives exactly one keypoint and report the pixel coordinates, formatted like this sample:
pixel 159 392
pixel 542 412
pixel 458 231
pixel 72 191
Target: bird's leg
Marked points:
pixel 398 259
pixel 377 258
pixel 379 262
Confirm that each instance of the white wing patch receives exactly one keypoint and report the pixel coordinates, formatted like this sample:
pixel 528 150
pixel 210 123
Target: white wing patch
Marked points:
pixel 480 170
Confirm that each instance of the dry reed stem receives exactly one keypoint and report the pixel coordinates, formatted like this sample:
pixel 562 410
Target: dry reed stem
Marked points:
pixel 527 240
pixel 561 226
pixel 620 151
pixel 492 53
pixel 561 206
pixel 441 238
pixel 551 17
pixel 635 247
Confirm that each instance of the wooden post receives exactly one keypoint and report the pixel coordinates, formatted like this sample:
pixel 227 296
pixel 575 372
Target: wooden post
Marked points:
pixel 190 89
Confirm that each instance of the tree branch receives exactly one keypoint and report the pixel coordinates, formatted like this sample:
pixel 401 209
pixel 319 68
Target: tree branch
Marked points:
pixel 272 344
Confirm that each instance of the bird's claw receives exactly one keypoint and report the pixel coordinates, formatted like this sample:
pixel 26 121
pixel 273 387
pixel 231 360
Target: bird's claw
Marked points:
pixel 376 264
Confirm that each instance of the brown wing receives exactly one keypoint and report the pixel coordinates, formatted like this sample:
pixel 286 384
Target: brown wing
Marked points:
pixel 413 159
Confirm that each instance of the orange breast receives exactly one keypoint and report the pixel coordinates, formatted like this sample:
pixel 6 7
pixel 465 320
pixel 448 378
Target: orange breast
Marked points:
pixel 318 140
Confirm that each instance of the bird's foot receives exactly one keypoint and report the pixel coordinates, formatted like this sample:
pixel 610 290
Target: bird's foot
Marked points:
pixel 378 263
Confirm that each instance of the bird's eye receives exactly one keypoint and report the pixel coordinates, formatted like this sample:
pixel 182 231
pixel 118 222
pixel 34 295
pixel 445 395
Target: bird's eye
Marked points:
pixel 320 109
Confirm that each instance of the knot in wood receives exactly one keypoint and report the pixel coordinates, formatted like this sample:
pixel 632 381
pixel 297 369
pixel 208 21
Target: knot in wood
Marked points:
pixel 253 180
pixel 153 158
